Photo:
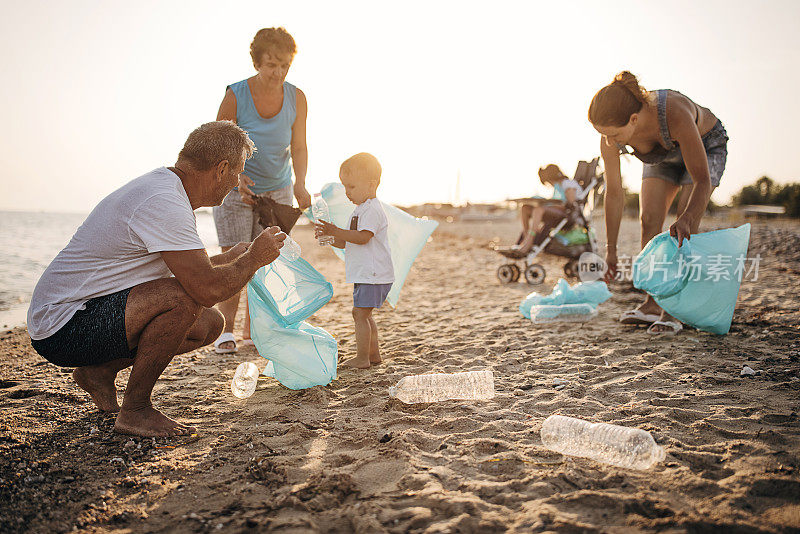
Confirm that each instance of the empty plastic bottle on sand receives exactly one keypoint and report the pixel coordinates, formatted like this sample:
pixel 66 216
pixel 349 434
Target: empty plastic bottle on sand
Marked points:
pixel 291 249
pixel 611 444
pixel 244 380
pixel 473 385
pixel 321 213
pixel 567 313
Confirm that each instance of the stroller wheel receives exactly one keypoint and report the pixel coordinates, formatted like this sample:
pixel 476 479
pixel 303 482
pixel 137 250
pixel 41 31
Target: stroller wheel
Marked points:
pixel 534 274
pixel 505 273
pixel 571 269
pixel 517 272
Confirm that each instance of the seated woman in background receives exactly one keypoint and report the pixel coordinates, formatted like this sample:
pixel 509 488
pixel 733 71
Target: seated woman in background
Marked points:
pixel 538 220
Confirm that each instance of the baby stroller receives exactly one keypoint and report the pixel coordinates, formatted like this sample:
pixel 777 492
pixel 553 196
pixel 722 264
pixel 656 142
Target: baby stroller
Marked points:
pixel 570 238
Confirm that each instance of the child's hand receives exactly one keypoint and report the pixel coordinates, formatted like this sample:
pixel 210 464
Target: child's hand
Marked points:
pixel 322 228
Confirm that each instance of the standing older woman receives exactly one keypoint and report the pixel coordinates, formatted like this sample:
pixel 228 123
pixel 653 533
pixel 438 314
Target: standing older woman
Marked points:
pixel 681 144
pixel 273 113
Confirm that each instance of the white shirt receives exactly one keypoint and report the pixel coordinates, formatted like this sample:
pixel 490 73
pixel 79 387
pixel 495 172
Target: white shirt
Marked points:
pixel 118 246
pixel 370 263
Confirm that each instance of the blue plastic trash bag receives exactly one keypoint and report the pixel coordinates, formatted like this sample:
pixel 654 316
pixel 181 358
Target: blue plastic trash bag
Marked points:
pixel 299 357
pixel 291 290
pixel 281 295
pixel 593 293
pixel 407 234
pixel 697 283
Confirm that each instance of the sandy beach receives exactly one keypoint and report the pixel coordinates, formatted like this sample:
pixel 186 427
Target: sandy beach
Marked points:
pixel 346 458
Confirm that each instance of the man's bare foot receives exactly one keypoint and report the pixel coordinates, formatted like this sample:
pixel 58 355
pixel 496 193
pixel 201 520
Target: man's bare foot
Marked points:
pixel 99 383
pixel 375 359
pixel 149 422
pixel 357 363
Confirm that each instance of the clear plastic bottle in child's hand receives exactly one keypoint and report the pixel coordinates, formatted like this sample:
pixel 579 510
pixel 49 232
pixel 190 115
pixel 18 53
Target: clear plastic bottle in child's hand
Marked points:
pixel 321 212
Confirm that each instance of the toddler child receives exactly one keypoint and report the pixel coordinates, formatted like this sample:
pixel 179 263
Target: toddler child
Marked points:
pixel 368 260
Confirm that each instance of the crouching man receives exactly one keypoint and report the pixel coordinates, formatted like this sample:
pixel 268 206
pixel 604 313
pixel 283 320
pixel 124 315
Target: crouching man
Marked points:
pixel 134 286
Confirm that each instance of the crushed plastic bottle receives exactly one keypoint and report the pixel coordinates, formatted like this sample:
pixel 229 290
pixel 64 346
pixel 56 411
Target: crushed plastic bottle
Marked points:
pixel 321 212
pixel 567 313
pixel 244 380
pixel 291 249
pixel 612 444
pixel 472 385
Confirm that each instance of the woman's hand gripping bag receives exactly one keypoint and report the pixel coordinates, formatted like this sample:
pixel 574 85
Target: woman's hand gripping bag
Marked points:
pixel 281 295
pixel 407 234
pixel 697 283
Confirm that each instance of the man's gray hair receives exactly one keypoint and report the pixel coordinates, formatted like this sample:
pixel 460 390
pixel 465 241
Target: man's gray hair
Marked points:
pixel 214 142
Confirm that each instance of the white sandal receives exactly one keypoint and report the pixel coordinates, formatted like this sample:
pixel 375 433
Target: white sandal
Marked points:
pixel 225 337
pixel 676 327
pixel 637 316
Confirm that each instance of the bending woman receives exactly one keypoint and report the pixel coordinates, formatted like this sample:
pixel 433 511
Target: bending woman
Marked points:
pixel 681 144
pixel 273 113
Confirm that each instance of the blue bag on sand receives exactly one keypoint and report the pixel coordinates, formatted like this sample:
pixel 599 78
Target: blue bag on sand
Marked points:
pixel 281 295
pixel 407 234
pixel 593 293
pixel 291 290
pixel 697 283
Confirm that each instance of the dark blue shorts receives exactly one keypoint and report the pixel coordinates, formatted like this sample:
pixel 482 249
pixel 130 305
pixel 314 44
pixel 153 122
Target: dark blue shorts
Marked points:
pixel 94 335
pixel 370 295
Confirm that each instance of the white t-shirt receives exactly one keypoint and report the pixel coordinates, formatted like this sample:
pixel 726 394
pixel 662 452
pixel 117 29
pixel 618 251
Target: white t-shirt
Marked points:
pixel 370 263
pixel 115 248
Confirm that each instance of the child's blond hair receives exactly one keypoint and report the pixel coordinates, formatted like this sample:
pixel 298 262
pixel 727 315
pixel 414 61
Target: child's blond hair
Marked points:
pixel 363 166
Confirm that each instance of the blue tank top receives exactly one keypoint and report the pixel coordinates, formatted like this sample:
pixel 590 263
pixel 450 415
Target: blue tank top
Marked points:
pixel 270 167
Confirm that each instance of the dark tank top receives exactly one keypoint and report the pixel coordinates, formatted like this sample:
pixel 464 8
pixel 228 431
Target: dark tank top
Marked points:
pixel 660 151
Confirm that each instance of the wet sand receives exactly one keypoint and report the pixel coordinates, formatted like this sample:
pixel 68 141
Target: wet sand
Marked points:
pixel 346 458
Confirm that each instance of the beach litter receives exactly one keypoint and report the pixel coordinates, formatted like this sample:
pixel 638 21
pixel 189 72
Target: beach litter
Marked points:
pixel 747 370
pixel 611 444
pixel 589 293
pixel 435 387
pixel 560 383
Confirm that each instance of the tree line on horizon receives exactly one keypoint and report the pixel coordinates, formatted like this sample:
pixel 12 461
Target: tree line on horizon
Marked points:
pixel 766 191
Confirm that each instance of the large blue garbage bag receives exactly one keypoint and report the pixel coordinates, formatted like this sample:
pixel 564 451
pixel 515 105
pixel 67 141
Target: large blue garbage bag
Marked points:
pixel 593 293
pixel 281 295
pixel 407 234
pixel 290 290
pixel 697 283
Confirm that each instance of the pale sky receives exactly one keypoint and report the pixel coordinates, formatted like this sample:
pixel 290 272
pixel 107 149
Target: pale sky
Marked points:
pixel 98 93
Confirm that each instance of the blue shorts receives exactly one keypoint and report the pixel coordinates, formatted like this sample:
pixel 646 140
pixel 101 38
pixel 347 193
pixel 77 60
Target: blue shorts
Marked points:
pixel 673 169
pixel 94 335
pixel 370 295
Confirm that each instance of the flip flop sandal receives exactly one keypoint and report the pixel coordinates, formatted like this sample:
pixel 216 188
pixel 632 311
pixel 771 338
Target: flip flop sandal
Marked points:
pixel 638 317
pixel 674 325
pixel 224 338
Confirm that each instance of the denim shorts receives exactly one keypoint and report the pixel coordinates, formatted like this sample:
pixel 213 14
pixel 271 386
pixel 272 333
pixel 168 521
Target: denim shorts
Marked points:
pixel 237 222
pixel 94 335
pixel 370 295
pixel 672 169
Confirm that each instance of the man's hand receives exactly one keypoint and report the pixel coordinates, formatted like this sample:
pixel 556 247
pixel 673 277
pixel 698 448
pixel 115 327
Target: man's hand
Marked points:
pixel 681 229
pixel 245 194
pixel 323 228
pixel 266 246
pixel 238 249
pixel 302 196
